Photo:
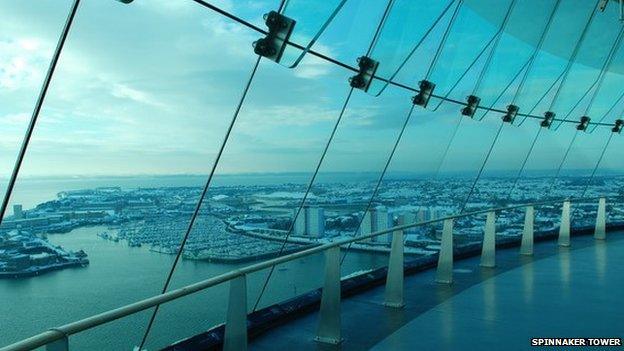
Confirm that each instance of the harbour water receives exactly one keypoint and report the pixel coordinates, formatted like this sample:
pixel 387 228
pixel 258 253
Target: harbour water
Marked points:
pixel 119 274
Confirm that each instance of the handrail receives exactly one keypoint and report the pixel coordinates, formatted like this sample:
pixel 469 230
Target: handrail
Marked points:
pixel 66 330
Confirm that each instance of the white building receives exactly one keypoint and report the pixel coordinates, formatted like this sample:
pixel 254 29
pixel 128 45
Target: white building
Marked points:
pixel 381 220
pixel 299 226
pixel 17 212
pixel 310 222
pixel 366 226
pixel 315 222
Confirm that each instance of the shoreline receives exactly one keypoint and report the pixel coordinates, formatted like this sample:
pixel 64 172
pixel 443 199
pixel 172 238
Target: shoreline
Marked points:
pixel 43 270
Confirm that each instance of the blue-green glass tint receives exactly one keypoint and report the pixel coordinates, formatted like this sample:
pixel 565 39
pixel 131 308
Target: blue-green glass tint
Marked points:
pixel 595 53
pixel 312 18
pixel 465 36
pixel 510 57
pixel 26 49
pixel 397 42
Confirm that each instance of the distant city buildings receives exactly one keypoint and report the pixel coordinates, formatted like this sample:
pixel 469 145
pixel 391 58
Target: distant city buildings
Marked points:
pixel 17 212
pixel 310 222
pixel 23 254
pixel 375 220
pixel 249 222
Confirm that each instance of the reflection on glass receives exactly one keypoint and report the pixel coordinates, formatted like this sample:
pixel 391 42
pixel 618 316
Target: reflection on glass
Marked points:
pixel 26 49
pixel 312 18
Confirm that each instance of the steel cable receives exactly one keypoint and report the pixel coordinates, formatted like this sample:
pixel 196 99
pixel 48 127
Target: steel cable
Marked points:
pixel 37 110
pixel 322 158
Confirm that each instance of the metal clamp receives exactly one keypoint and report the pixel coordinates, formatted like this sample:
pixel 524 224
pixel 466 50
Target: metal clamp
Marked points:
pixel 273 45
pixel 617 128
pixel 549 117
pixel 364 78
pixel 512 112
pixel 424 94
pixel 583 124
pixel 471 107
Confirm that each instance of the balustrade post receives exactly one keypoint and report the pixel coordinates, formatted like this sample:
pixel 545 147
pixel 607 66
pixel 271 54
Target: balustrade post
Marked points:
pixel 236 323
pixel 526 248
pixel 394 279
pixel 444 273
pixel 600 233
pixel 564 228
pixel 329 323
pixel 488 250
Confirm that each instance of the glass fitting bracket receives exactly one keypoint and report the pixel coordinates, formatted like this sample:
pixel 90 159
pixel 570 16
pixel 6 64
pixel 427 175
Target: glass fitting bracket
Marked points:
pixel 424 95
pixel 617 128
pixel 549 117
pixel 273 45
pixel 471 107
pixel 364 78
pixel 512 112
pixel 584 123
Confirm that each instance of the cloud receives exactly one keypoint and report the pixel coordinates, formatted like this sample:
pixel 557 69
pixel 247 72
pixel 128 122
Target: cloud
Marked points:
pixel 125 92
pixel 19 119
pixel 22 62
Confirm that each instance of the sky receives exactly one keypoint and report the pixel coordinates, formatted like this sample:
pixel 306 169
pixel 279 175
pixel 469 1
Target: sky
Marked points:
pixel 150 88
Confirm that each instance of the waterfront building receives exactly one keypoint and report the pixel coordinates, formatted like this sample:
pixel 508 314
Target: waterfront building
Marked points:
pixel 407 218
pixel 382 220
pixel 310 222
pixel 17 212
pixel 366 226
pixel 315 222
pixel 299 227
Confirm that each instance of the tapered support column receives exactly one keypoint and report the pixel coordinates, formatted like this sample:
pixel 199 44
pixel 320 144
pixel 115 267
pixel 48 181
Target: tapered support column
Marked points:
pixel 601 220
pixel 236 322
pixel 488 251
pixel 329 323
pixel 58 345
pixel 564 228
pixel 526 247
pixel 394 280
pixel 444 274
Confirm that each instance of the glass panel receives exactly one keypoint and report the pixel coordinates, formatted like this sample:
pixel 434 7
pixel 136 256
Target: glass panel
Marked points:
pixel 549 65
pixel 608 180
pixel 263 174
pixel 28 36
pixel 398 43
pixel 348 177
pixel 576 175
pixel 312 18
pixel 510 55
pixel 498 179
pixel 412 189
pixel 536 181
pixel 605 103
pixel 133 118
pixel 593 54
pixel 468 35
pixel 350 33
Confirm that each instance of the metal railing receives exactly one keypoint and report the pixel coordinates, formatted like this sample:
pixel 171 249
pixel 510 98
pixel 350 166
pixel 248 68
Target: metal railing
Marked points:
pixel 57 339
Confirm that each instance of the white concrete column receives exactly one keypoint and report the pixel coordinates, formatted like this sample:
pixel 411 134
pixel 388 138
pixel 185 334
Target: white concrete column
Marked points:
pixel 488 250
pixel 329 316
pixel 526 248
pixel 236 322
pixel 601 220
pixel 564 228
pixel 444 273
pixel 394 280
